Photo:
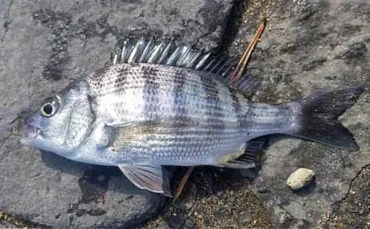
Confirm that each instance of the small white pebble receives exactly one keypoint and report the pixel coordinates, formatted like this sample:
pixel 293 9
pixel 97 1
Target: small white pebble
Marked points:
pixel 300 178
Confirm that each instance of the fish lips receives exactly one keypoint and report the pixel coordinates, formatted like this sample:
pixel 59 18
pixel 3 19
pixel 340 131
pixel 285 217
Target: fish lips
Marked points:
pixel 30 134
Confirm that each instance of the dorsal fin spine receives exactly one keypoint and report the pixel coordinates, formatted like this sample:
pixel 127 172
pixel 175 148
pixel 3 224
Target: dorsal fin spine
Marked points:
pixel 184 57
pixel 166 53
pixel 148 48
pixel 156 52
pixel 202 61
pixel 193 61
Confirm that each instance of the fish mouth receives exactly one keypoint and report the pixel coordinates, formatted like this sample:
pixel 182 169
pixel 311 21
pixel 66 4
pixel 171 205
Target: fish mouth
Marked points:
pixel 30 133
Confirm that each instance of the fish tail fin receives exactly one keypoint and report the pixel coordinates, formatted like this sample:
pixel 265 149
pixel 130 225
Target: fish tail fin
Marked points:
pixel 319 118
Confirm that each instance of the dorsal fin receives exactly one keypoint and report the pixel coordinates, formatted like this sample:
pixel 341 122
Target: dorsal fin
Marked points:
pixel 166 52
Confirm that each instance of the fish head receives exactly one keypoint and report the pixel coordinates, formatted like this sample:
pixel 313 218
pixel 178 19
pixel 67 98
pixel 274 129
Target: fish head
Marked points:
pixel 61 123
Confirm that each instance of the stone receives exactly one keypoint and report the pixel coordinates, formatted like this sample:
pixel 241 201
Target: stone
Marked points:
pixel 189 223
pixel 300 178
pixel 188 197
pixel 44 45
pixel 261 189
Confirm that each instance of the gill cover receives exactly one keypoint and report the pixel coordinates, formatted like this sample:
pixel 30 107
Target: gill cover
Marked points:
pixel 81 115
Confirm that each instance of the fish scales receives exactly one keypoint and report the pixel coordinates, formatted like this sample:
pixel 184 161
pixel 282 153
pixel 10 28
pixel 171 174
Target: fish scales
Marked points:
pixel 182 109
pixel 205 114
pixel 279 118
pixel 189 95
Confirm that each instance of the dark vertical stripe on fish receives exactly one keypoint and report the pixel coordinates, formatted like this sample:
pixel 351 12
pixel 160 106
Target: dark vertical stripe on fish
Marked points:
pixel 121 78
pixel 236 106
pixel 181 113
pixel 95 80
pixel 150 92
pixel 214 112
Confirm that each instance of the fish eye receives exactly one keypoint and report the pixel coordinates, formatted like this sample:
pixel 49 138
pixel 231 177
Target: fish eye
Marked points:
pixel 49 108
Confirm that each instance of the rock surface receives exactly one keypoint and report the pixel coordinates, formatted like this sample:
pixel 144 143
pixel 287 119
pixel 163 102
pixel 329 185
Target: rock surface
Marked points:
pixel 310 47
pixel 307 47
pixel 300 178
pixel 43 46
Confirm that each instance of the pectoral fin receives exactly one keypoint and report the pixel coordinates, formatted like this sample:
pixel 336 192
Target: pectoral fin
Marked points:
pixel 150 177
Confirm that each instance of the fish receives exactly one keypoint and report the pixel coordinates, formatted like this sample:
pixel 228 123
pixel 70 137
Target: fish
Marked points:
pixel 163 104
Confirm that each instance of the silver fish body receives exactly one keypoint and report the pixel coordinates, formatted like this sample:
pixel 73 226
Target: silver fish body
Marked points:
pixel 172 116
pixel 175 108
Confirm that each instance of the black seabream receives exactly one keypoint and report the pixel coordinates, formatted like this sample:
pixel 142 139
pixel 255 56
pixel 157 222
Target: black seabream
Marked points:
pixel 161 104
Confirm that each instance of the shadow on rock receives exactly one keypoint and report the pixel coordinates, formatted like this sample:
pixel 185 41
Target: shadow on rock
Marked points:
pixel 95 180
pixel 102 188
pixel 233 23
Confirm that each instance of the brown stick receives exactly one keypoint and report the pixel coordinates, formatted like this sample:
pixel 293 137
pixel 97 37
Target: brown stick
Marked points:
pixel 247 53
pixel 182 183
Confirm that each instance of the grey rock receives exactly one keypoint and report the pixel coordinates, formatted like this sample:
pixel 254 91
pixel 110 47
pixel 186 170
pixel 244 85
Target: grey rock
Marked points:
pixel 187 200
pixel 189 223
pixel 7 225
pixel 310 47
pixel 44 45
pixel 261 188
pixel 353 209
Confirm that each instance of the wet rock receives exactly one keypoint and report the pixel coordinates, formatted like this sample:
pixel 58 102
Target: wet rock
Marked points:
pixel 45 45
pixel 300 178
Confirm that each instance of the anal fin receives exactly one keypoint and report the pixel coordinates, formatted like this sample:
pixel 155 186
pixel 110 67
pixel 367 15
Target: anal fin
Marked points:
pixel 246 158
pixel 150 177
